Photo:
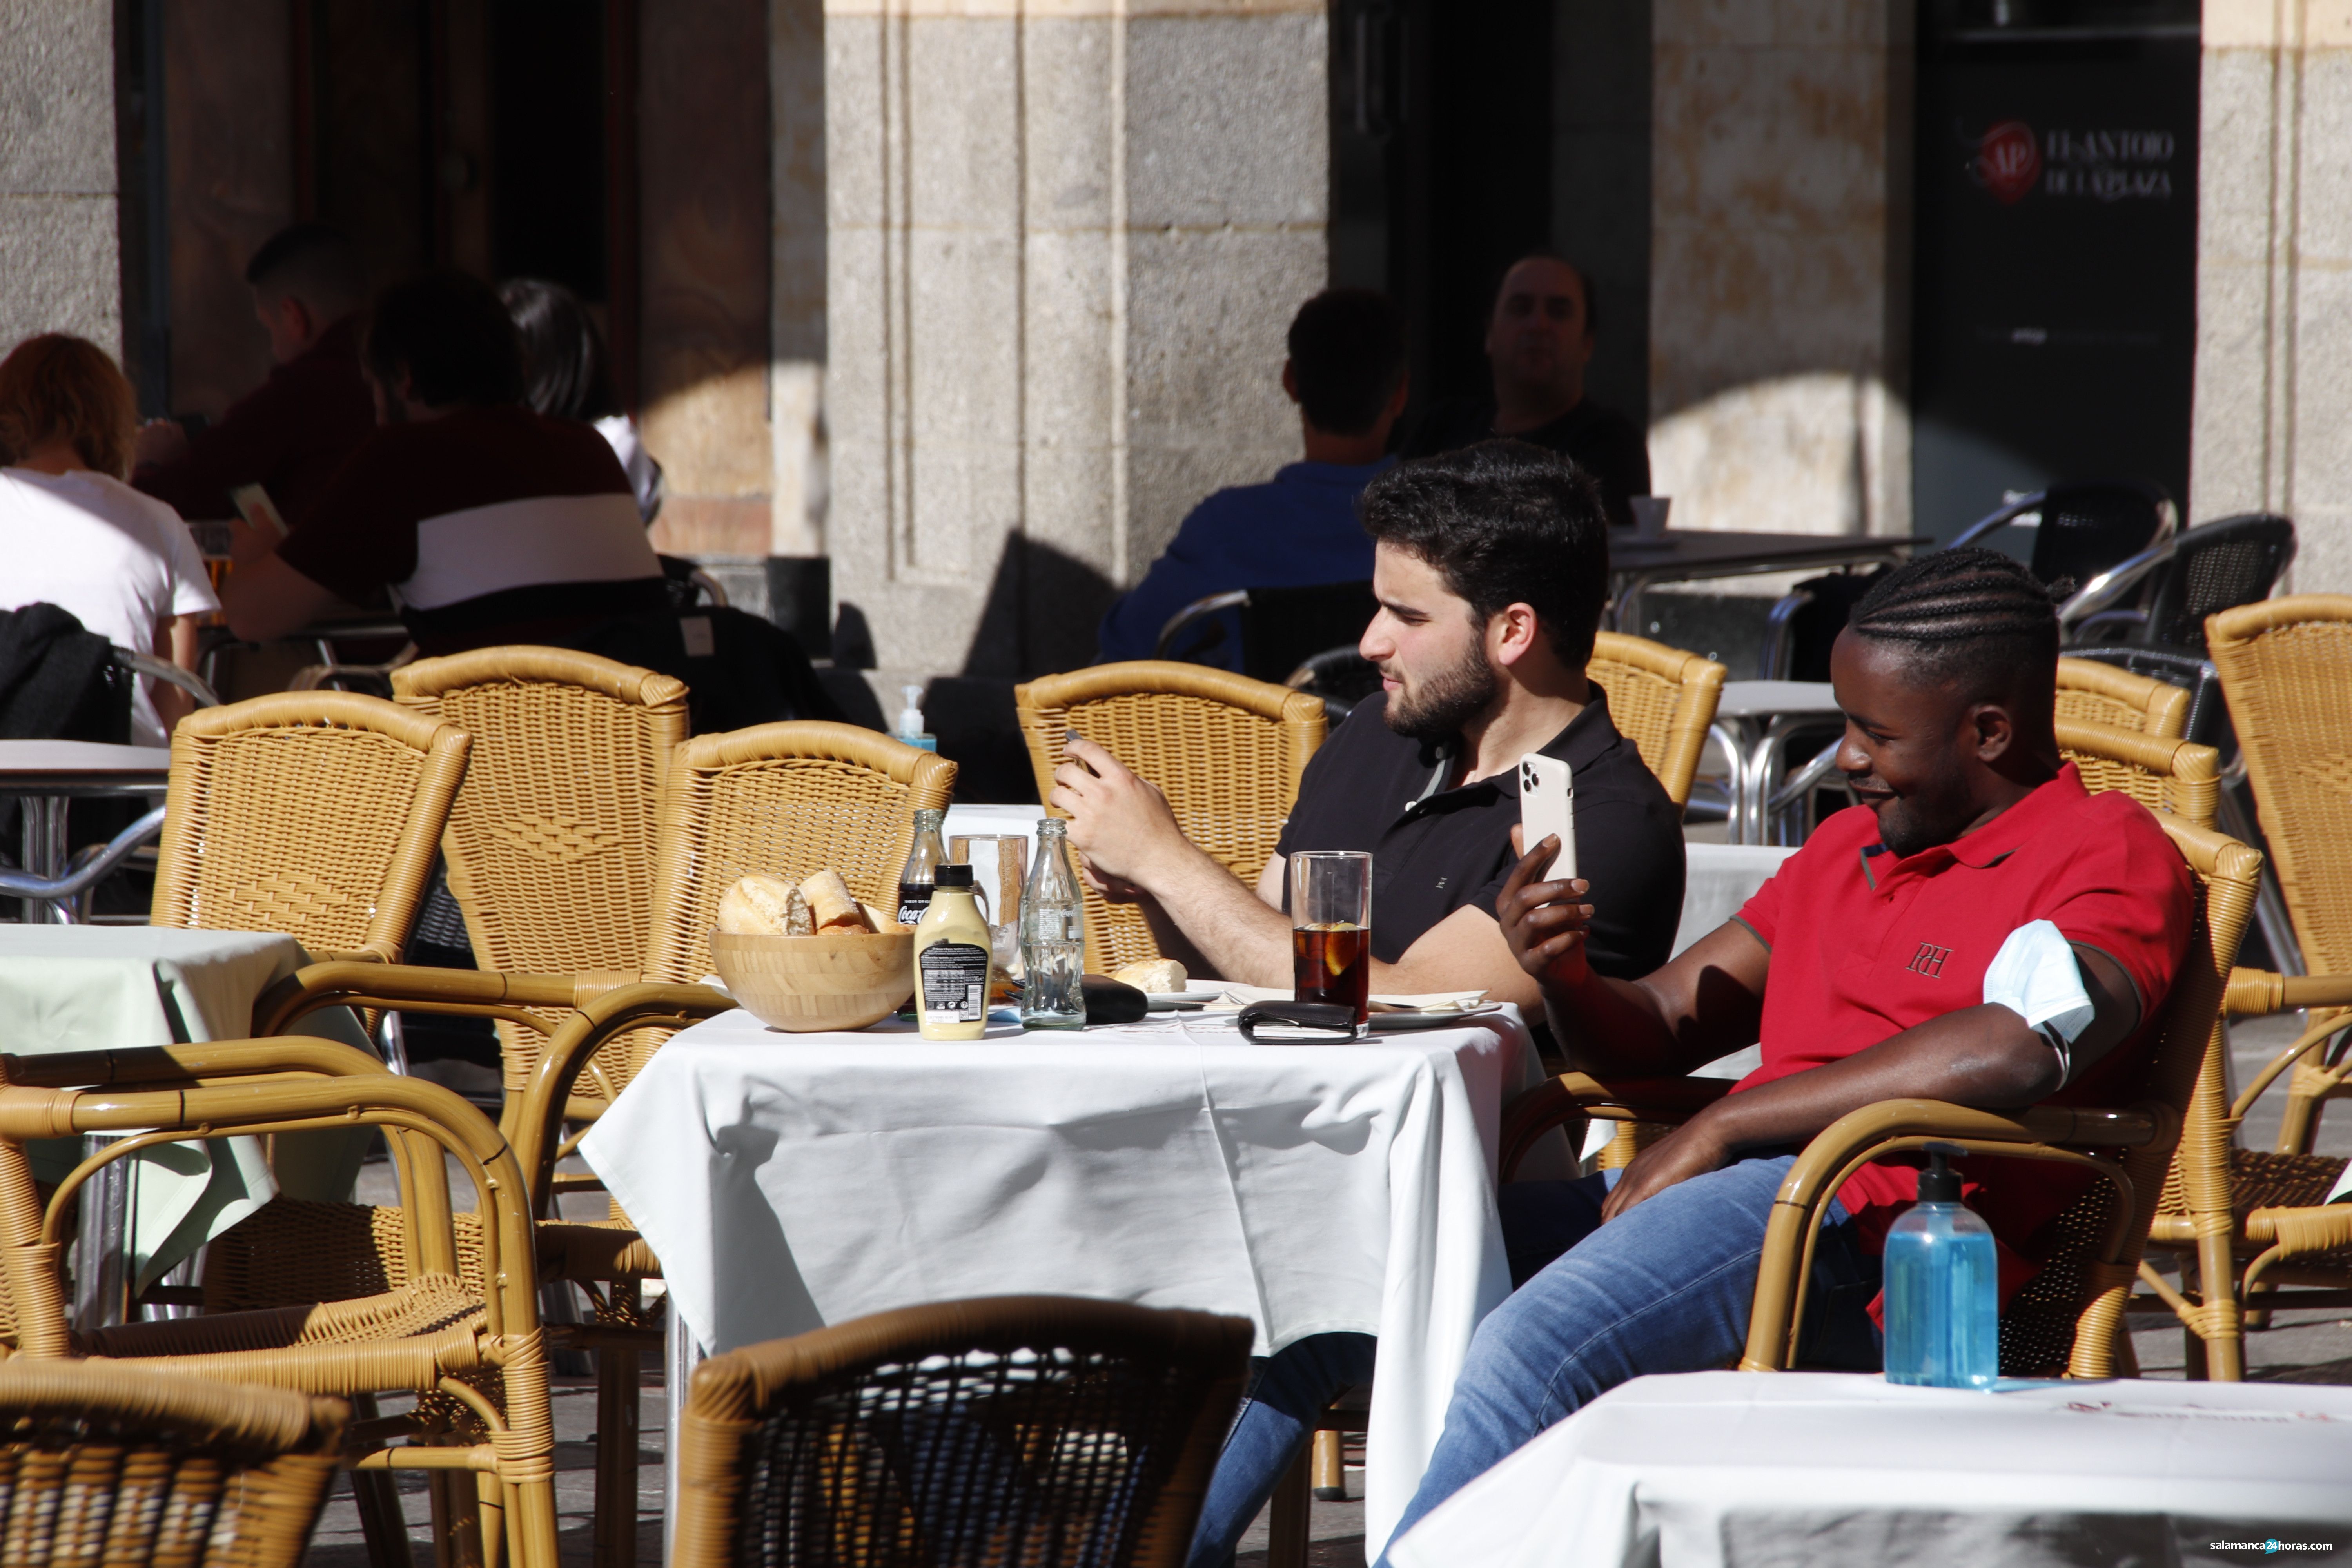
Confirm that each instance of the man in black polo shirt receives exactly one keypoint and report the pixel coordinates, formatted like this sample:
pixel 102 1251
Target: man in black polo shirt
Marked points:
pixel 1490 565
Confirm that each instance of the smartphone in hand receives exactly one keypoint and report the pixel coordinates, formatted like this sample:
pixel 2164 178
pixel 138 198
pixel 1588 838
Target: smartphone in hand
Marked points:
pixel 1548 807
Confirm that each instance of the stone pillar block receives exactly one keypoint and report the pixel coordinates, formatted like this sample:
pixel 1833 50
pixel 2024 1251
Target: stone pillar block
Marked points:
pixel 1064 240
pixel 58 245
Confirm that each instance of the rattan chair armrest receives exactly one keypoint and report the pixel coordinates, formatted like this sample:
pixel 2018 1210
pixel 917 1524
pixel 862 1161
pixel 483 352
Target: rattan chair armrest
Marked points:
pixel 419 988
pixel 2254 993
pixel 538 1122
pixel 573 1250
pixel 1898 1125
pixel 1572 1096
pixel 194 1063
pixel 2328 1022
pixel 2321 1229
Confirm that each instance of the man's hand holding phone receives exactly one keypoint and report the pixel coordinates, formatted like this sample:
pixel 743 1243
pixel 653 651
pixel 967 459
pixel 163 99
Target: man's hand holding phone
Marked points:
pixel 1544 922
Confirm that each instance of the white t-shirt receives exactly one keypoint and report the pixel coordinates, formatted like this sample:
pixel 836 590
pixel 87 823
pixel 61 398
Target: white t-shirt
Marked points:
pixel 119 561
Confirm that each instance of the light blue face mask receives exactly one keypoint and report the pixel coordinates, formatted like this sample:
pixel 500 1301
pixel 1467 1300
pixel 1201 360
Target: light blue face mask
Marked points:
pixel 2035 976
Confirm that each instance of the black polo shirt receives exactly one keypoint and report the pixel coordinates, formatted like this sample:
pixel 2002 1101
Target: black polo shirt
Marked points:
pixel 1435 849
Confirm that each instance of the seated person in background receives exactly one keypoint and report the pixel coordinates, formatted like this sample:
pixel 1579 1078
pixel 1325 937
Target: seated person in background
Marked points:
pixel 292 432
pixel 1538 340
pixel 488 522
pixel 1490 567
pixel 1347 374
pixel 74 535
pixel 1861 967
pixel 567 375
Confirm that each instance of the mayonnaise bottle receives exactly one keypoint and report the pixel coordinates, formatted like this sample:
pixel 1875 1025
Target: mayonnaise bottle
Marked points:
pixel 951 959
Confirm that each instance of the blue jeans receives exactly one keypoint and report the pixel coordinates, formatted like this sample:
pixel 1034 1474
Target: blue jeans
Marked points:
pixel 1665 1289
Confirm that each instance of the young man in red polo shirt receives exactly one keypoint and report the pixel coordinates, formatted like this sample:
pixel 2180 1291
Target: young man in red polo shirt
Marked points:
pixel 1862 968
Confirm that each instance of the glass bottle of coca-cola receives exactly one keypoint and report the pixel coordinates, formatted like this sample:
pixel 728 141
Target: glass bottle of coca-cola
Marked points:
pixel 923 861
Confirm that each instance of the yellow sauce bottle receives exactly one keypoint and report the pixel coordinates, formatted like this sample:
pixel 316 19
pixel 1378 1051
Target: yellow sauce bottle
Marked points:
pixel 951 961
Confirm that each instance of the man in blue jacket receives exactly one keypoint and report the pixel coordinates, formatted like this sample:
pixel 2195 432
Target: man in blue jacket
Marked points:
pixel 1347 374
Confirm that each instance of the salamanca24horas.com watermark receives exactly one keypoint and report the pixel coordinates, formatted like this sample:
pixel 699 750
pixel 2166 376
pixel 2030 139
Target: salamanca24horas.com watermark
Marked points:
pixel 2268 1547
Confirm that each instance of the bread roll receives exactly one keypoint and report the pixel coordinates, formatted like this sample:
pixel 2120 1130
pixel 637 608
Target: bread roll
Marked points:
pixel 1159 977
pixel 836 911
pixel 762 905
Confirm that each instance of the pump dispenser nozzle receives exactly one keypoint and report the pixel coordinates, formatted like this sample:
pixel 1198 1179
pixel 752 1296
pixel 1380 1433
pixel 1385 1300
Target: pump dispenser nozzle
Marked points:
pixel 911 719
pixel 1940 1184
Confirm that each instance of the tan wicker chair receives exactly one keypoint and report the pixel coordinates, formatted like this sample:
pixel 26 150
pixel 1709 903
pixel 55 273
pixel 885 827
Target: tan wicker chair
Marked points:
pixel 312 813
pixel 1227 750
pixel 1661 700
pixel 791 797
pixel 2069 1317
pixel 2285 668
pixel 1031 1430
pixel 2099 693
pixel 474 1353
pixel 550 842
pixel 178 1471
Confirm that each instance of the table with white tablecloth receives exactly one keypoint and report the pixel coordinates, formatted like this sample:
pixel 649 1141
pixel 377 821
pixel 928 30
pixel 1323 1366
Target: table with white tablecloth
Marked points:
pixel 792 1180
pixel 87 988
pixel 1731 1470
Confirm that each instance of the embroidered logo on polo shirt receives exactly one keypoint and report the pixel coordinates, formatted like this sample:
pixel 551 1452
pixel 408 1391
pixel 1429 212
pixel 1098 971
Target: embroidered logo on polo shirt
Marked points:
pixel 1929 960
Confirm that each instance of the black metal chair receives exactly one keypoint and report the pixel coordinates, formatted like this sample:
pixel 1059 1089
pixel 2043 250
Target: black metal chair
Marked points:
pixel 1303 637
pixel 2184 578
pixel 2083 527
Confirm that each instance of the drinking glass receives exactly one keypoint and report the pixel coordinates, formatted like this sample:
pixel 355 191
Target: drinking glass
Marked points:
pixel 1331 928
pixel 999 861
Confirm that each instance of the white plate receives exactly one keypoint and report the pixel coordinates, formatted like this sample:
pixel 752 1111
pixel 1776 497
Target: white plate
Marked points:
pixel 1178 1001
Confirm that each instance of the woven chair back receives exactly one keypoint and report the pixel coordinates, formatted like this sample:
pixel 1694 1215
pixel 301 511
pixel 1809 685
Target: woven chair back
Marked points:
pixel 1028 1431
pixel 2178 776
pixel 2098 693
pixel 2286 670
pixel 2066 1319
pixel 788 799
pixel 2217 567
pixel 106 1465
pixel 312 813
pixel 1661 699
pixel 551 843
pixel 1227 750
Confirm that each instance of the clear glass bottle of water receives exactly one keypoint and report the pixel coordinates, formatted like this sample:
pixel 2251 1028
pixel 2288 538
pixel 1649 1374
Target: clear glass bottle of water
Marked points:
pixel 1053 935
pixel 1943 1298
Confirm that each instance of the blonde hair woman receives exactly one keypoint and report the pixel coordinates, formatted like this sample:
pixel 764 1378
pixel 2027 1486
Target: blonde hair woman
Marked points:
pixel 74 535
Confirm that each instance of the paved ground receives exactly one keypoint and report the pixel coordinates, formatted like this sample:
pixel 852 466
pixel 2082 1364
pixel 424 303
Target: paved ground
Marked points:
pixel 2301 1347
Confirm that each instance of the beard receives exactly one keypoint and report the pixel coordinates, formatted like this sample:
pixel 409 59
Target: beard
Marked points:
pixel 1907 825
pixel 1438 707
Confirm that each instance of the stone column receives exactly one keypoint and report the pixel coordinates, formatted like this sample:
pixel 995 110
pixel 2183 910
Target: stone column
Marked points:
pixel 1779 256
pixel 1066 237
pixel 2274 390
pixel 57 218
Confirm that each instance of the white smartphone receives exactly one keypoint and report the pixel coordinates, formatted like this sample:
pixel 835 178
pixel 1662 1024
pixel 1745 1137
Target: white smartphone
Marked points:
pixel 1548 807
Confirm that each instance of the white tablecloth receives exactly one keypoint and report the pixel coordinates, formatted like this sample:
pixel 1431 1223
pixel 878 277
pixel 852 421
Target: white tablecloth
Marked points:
pixel 1821 1469
pixel 790 1181
pixel 87 988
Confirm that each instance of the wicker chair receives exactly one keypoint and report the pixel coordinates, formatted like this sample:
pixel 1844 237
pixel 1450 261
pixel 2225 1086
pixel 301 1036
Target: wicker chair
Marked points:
pixel 472 1350
pixel 2069 1317
pixel 177 1471
pixel 312 813
pixel 2101 694
pixel 1661 699
pixel 2178 776
pixel 550 842
pixel 1228 751
pixel 1023 1430
pixel 792 797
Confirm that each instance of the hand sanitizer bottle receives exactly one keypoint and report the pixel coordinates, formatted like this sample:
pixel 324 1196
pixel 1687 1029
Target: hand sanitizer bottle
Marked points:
pixel 910 721
pixel 1943 1298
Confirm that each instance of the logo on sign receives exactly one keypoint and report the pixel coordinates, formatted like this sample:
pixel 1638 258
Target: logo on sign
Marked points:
pixel 1929 960
pixel 2008 161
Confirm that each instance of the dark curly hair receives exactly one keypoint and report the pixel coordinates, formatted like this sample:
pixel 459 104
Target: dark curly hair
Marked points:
pixel 1504 522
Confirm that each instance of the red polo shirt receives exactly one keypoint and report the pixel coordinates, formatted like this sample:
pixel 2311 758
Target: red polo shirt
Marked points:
pixel 1866 945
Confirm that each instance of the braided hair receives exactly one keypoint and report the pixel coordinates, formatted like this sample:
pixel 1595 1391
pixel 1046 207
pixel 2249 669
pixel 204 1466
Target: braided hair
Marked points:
pixel 1975 618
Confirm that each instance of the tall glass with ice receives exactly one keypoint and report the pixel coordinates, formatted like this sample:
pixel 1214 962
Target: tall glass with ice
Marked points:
pixel 1331 928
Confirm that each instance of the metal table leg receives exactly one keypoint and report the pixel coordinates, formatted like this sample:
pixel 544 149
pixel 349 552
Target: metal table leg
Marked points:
pixel 43 841
pixel 103 1242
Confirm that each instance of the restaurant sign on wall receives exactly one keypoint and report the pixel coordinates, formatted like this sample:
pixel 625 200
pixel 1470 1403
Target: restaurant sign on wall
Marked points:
pixel 2102 165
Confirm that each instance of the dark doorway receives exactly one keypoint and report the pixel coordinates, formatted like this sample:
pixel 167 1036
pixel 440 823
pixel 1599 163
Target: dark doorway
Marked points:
pixel 546 164
pixel 2054 315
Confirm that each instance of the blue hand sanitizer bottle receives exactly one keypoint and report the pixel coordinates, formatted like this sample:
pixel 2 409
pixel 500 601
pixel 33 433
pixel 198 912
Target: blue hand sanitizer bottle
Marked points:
pixel 1943 1301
